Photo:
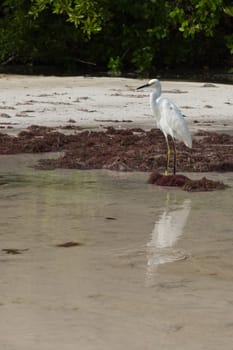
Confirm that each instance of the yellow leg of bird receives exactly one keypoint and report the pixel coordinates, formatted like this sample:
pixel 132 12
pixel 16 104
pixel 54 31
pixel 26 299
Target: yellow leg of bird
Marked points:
pixel 168 157
pixel 175 157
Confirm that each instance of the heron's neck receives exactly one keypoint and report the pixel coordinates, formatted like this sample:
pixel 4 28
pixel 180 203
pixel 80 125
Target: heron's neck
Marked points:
pixel 155 94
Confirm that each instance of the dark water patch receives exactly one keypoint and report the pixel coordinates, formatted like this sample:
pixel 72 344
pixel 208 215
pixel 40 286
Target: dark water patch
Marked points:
pixel 68 244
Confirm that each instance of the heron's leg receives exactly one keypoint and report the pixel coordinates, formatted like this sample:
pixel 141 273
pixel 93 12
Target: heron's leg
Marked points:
pixel 168 156
pixel 174 163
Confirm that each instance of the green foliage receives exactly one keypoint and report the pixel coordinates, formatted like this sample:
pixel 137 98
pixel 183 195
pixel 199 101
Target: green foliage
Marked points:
pixel 228 10
pixel 119 35
pixel 142 59
pixel 85 14
pixel 114 66
pixel 229 42
pixel 202 17
pixel 14 28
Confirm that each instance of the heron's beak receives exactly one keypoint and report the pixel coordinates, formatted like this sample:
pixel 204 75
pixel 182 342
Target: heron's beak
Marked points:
pixel 143 86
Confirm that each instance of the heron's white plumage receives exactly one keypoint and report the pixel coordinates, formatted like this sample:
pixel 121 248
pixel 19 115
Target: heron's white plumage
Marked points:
pixel 169 119
pixel 172 122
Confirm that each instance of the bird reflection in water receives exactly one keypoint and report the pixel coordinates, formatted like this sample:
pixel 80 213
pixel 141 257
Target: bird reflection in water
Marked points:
pixel 166 232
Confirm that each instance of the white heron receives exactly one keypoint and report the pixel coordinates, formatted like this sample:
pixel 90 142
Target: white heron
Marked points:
pixel 169 120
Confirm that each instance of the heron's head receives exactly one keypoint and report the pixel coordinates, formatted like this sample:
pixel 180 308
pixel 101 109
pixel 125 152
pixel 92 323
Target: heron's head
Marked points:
pixel 155 83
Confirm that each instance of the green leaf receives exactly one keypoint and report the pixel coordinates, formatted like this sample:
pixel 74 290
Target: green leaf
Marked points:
pixel 228 10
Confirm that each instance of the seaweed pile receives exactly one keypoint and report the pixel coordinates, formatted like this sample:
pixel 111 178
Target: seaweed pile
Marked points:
pixel 131 149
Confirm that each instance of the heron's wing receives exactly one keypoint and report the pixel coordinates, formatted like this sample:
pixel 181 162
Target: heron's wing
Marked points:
pixel 172 121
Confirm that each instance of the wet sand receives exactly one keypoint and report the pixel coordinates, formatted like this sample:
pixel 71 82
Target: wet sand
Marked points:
pixel 153 267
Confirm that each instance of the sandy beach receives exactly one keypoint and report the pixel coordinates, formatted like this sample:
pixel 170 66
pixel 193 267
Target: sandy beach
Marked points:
pixel 57 101
pixel 100 259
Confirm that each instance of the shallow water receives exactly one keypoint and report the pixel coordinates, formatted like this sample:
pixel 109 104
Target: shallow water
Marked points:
pixel 154 269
